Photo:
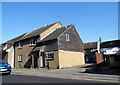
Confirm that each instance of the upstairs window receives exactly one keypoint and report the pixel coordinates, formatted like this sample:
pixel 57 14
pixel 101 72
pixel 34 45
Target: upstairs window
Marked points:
pixel 20 58
pixel 20 45
pixel 67 37
pixel 4 46
pixel 32 42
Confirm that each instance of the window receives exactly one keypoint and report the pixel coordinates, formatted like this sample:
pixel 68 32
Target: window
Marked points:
pixel 50 55
pixel 32 42
pixel 20 58
pixel 19 44
pixel 4 46
pixel 67 37
pixel 93 50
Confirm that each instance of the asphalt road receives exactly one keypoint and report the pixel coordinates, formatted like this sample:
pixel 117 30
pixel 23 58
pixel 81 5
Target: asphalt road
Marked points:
pixel 36 79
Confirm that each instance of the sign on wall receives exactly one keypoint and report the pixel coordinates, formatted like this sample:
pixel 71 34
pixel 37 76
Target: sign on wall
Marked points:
pixel 108 51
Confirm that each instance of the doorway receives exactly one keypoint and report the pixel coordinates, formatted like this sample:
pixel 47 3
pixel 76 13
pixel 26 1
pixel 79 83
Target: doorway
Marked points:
pixel 42 59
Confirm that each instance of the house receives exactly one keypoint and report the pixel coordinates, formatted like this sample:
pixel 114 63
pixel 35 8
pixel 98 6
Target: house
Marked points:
pixel 24 45
pixel 61 49
pixel 111 52
pixel 52 46
pixel 90 50
pixel 8 50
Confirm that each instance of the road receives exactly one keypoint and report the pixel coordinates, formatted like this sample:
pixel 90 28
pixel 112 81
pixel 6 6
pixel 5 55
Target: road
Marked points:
pixel 37 79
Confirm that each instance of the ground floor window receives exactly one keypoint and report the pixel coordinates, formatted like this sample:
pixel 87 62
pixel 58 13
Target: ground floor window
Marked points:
pixel 50 55
pixel 20 58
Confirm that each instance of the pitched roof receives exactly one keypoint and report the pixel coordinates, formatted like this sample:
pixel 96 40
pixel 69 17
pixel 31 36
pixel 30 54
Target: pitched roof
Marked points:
pixel 11 42
pixel 90 45
pixel 37 31
pixel 54 34
pixel 113 43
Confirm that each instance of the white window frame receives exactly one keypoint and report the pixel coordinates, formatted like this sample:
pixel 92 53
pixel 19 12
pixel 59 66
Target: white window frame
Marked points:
pixel 32 42
pixel 48 55
pixel 19 45
pixel 67 37
pixel 20 58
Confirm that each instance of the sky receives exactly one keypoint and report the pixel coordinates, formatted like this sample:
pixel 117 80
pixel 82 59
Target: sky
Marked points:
pixel 91 19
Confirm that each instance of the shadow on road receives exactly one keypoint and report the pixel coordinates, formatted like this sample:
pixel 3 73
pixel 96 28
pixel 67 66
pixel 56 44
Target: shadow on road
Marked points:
pixel 5 74
pixel 94 70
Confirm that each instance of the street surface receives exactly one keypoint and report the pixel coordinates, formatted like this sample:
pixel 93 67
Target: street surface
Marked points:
pixel 37 79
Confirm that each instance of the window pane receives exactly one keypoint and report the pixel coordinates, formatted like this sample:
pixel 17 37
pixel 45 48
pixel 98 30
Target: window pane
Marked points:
pixel 67 37
pixel 50 55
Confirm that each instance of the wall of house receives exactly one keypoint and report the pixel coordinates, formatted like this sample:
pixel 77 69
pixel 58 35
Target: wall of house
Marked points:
pixel 70 52
pixel 74 44
pixel 11 56
pixel 55 62
pixel 48 31
pixel 5 56
pixel 24 51
pixel 51 45
pixel 70 58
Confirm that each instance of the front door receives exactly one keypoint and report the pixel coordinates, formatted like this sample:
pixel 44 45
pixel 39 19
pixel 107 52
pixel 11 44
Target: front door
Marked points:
pixel 42 60
pixel 36 57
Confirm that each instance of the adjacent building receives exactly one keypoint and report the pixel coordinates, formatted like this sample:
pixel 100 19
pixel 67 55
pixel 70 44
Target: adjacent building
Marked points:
pixel 90 52
pixel 8 50
pixel 111 52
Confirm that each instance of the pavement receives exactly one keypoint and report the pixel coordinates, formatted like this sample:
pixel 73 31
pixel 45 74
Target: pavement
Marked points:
pixel 69 73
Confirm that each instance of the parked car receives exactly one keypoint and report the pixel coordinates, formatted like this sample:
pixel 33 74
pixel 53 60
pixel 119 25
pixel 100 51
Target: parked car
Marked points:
pixel 4 67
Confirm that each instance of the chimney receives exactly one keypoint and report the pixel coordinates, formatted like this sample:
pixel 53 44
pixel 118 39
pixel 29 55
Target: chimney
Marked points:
pixel 100 40
pixel 98 44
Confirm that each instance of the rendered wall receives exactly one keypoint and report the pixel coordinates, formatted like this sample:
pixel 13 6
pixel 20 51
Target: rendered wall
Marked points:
pixel 70 58
pixel 11 56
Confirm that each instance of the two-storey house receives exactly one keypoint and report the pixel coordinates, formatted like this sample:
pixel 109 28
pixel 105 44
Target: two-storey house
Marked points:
pixel 61 49
pixel 24 45
pixel 8 50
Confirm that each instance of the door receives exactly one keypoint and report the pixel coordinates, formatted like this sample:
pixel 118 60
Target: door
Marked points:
pixel 36 57
pixel 42 60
